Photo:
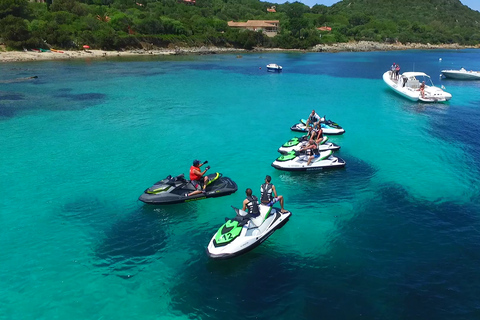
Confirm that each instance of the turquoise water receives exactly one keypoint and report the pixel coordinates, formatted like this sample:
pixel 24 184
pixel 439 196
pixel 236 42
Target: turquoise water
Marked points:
pixel 394 235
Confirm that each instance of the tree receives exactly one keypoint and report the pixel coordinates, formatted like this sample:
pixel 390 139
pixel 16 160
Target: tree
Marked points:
pixel 14 31
pixel 16 8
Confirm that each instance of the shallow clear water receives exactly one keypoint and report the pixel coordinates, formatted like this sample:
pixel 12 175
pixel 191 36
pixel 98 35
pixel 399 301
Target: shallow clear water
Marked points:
pixel 394 235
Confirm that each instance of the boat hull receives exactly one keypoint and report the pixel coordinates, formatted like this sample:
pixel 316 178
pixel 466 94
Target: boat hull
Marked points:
pixel 410 89
pixel 461 74
pixel 274 68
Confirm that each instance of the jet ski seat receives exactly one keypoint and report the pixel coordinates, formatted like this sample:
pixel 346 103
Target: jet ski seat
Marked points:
pixel 257 221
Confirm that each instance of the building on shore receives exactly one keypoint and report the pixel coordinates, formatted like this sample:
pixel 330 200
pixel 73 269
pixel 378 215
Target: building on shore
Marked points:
pixel 325 28
pixel 269 27
pixel 272 9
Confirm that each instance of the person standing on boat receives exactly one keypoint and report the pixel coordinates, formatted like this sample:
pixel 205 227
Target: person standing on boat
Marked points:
pixel 312 119
pixel 251 203
pixel 266 197
pixel 422 89
pixel 397 71
pixel 392 71
pixel 197 177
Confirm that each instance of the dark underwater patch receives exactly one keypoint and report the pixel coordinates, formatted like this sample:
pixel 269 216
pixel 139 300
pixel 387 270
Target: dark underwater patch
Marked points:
pixel 397 256
pixel 461 125
pixel 83 96
pixel 418 249
pixel 331 185
pixel 130 244
pixel 7 111
pixel 84 208
pixel 12 96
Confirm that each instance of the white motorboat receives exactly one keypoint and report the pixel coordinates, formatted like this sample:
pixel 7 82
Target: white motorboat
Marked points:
pixel 461 74
pixel 272 67
pixel 408 85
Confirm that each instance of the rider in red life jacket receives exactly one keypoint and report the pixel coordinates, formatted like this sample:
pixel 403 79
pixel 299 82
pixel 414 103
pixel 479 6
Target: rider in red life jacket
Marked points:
pixel 196 176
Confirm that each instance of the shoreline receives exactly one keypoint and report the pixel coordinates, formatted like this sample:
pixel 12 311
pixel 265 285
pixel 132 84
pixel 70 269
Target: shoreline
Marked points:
pixel 361 46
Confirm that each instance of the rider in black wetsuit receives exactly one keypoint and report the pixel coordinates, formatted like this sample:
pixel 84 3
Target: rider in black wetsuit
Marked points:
pixel 251 203
pixel 269 194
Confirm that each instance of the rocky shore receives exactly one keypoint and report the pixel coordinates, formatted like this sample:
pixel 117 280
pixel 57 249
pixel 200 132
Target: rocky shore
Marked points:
pixel 361 46
pixel 19 56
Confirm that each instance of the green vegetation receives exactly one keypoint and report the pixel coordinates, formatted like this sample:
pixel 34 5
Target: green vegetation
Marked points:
pixel 119 24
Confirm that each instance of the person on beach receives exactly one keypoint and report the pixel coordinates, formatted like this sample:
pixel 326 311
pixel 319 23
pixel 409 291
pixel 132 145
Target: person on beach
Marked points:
pixel 251 203
pixel 198 177
pixel 312 118
pixel 422 89
pixel 311 148
pixel 266 191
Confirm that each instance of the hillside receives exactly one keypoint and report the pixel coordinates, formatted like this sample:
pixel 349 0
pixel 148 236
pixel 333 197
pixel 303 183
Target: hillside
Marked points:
pixel 150 24
pixel 437 21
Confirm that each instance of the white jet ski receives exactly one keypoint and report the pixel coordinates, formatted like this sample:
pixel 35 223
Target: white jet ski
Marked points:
pixel 294 161
pixel 244 232
pixel 295 144
pixel 328 127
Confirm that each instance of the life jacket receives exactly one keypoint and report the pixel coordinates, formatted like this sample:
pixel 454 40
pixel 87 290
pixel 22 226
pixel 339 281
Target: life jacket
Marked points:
pixel 252 206
pixel 266 190
pixel 194 176
pixel 315 150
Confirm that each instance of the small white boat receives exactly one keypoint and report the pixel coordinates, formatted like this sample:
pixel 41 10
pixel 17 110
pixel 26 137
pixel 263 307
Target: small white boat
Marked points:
pixel 461 74
pixel 408 85
pixel 272 67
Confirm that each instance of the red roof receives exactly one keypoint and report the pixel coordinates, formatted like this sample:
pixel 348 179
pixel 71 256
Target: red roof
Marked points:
pixel 324 28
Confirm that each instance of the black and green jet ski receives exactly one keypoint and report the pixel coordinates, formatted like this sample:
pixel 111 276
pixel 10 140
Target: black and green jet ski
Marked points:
pixel 245 232
pixel 175 189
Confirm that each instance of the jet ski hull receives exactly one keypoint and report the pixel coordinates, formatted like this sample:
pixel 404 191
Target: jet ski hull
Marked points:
pixel 251 236
pixel 223 186
pixel 295 144
pixel 328 127
pixel 290 162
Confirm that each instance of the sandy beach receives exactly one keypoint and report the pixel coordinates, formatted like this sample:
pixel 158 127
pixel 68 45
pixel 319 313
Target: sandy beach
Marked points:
pixel 361 46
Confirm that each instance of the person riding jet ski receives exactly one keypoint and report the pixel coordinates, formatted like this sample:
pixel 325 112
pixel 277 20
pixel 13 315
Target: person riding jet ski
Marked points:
pixel 178 189
pixel 197 176
pixel 251 204
pixel 328 126
pixel 247 230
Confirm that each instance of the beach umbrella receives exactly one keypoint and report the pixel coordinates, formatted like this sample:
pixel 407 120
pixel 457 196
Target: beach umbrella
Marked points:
pixel 86 47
